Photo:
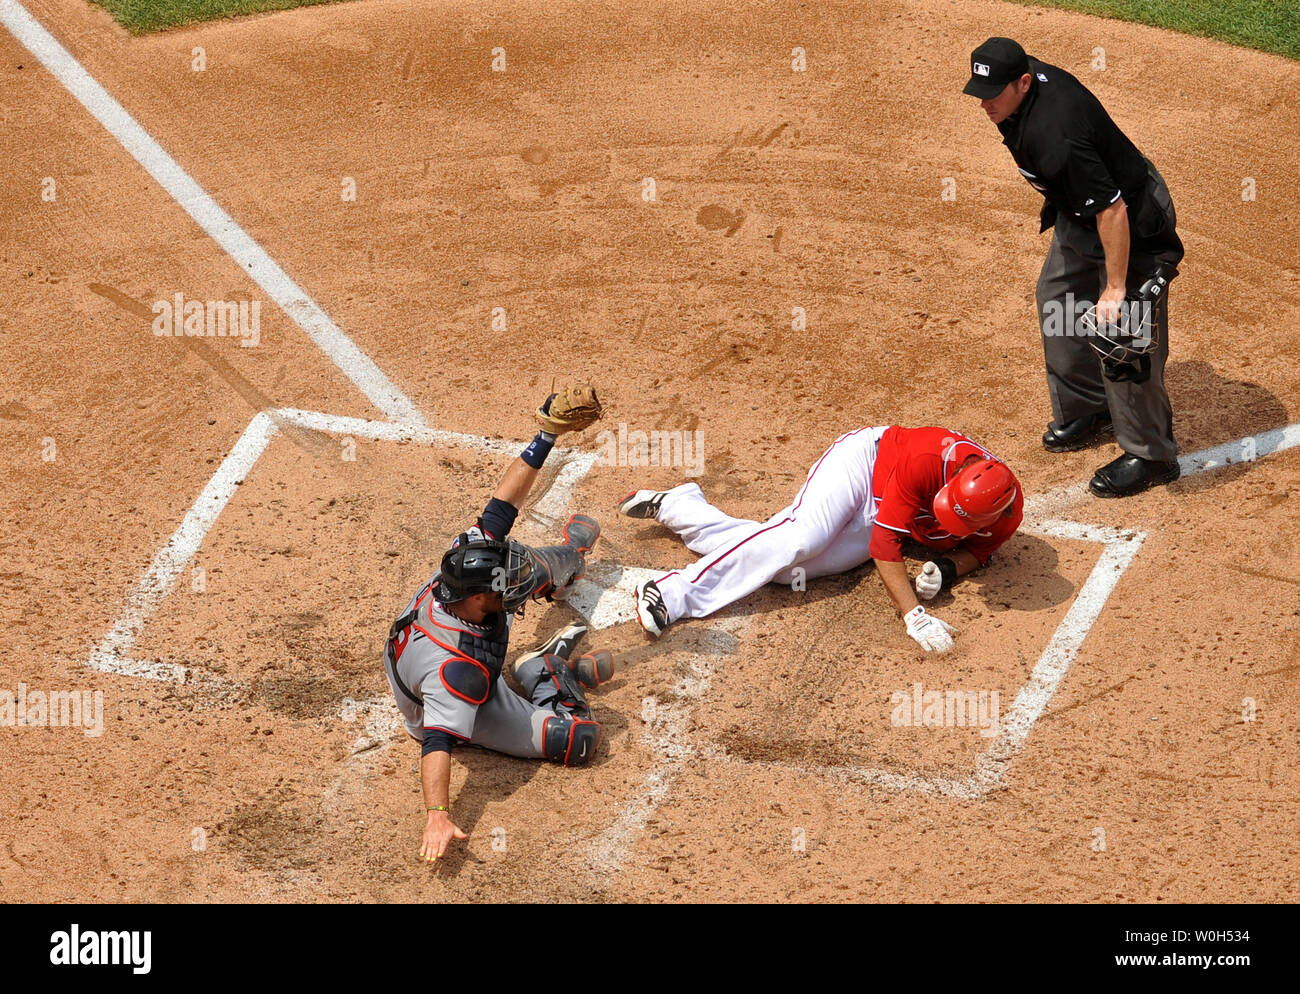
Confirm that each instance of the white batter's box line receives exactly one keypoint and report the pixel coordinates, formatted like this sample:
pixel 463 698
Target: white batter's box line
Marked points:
pixel 220 226
pixel 1120 547
pixel 159 578
pixel 1044 680
pixel 668 739
pixel 1247 449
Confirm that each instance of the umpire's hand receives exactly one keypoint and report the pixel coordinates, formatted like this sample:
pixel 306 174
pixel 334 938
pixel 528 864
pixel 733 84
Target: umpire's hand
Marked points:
pixel 1109 305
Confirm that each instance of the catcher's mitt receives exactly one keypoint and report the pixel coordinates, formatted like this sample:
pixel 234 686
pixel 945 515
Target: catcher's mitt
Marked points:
pixel 571 408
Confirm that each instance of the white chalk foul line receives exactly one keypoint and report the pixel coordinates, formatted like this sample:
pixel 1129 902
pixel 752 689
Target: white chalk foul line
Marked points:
pixel 292 299
pixel 1042 684
pixel 1054 663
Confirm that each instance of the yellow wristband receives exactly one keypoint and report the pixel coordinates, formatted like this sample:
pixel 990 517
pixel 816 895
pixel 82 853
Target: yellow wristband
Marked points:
pixel 438 807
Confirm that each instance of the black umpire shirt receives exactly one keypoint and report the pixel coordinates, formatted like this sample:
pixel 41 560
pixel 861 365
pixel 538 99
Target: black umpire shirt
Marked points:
pixel 1070 151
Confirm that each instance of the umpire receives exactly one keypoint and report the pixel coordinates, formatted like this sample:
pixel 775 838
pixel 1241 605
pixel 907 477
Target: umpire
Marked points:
pixel 1114 248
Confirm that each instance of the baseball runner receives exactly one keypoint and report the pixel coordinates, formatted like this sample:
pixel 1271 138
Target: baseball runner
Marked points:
pixel 444 656
pixel 873 488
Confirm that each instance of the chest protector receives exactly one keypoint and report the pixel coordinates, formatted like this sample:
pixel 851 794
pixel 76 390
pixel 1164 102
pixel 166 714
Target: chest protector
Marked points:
pixel 474 654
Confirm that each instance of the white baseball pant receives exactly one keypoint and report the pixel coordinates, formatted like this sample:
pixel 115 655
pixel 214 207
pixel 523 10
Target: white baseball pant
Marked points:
pixel 826 529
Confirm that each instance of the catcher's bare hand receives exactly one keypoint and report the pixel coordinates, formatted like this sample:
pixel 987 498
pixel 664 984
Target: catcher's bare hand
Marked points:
pixel 439 830
pixel 571 408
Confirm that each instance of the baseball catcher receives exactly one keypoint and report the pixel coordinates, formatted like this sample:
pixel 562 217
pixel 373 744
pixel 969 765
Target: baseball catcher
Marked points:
pixel 444 656
pixel 873 488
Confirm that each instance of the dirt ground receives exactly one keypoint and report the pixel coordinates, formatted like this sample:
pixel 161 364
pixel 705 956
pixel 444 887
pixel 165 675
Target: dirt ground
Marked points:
pixel 523 190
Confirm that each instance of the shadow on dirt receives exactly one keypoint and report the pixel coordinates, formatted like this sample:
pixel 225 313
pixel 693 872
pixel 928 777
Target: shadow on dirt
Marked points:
pixel 1210 409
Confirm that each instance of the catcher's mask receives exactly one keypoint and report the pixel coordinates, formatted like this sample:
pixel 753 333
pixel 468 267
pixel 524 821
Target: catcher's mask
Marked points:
pixel 485 566
pixel 1125 345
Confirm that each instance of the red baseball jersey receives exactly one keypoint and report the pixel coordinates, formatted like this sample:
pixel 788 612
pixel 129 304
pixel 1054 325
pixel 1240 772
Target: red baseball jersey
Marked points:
pixel 912 465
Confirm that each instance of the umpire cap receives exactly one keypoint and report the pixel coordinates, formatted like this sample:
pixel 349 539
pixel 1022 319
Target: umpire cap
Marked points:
pixel 993 65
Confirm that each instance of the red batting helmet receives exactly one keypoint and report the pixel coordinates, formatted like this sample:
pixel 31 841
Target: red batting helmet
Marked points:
pixel 974 498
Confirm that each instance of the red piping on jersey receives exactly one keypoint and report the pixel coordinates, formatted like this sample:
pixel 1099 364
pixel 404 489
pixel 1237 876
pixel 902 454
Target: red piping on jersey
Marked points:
pixel 439 728
pixel 456 693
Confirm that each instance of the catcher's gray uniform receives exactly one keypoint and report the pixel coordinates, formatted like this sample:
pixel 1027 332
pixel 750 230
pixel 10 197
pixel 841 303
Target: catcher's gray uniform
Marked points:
pixel 446 676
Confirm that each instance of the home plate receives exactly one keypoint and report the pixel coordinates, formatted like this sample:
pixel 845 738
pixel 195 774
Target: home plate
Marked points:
pixel 605 595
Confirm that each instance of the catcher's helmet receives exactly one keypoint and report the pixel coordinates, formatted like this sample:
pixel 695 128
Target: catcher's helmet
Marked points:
pixel 485 566
pixel 975 497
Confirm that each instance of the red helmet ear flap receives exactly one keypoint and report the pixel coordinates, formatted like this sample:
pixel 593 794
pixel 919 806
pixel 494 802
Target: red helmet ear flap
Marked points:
pixel 975 497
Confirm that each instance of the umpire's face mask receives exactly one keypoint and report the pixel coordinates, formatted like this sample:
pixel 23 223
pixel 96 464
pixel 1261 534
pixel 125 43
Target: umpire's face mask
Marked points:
pixel 1135 370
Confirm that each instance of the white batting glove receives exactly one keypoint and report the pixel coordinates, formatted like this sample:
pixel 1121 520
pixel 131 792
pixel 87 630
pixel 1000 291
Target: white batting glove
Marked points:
pixel 928 582
pixel 929 632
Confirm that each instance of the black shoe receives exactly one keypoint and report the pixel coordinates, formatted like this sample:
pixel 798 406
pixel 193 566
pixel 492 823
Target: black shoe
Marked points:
pixel 651 610
pixel 1076 434
pixel 1129 475
pixel 561 644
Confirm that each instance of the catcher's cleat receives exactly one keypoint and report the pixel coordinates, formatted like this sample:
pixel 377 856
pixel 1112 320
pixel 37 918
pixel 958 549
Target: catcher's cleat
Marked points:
pixel 642 503
pixel 651 610
pixel 561 644
pixel 581 533
pixel 593 668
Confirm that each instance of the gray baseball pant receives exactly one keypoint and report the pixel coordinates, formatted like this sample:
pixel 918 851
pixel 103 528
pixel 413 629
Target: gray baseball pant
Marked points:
pixel 1072 278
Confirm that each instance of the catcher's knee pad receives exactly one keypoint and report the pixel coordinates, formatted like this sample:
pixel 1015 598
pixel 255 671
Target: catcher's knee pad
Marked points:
pixel 555 567
pixel 570 740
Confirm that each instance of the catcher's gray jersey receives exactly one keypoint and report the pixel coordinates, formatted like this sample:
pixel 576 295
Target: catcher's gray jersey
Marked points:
pixel 446 675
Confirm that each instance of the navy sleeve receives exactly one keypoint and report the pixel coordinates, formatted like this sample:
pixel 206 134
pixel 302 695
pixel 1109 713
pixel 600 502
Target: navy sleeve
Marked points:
pixel 498 518
pixel 436 740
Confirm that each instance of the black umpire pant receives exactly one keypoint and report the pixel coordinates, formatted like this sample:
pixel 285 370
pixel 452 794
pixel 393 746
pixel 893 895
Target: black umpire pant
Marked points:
pixel 1072 278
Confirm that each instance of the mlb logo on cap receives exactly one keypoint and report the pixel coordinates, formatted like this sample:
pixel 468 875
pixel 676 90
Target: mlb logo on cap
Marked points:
pixel 994 64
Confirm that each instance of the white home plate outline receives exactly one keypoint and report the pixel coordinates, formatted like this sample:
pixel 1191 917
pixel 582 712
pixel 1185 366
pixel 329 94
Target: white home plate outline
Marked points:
pixel 159 578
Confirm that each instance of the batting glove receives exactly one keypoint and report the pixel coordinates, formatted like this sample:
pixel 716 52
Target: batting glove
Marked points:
pixel 929 632
pixel 929 581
